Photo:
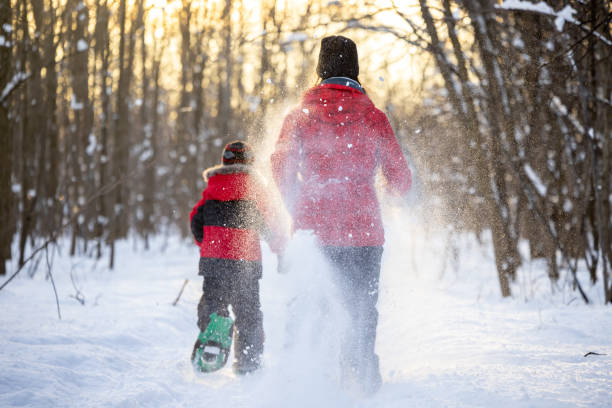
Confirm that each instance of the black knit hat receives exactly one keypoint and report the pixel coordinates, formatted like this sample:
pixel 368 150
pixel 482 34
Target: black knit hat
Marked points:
pixel 338 57
pixel 237 152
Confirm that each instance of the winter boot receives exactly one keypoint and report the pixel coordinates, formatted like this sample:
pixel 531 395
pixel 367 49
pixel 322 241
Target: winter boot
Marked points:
pixel 242 368
pixel 213 345
pixel 246 364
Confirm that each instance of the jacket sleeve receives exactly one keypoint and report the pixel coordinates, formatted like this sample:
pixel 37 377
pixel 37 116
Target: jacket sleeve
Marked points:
pixel 196 219
pixel 285 159
pixel 392 160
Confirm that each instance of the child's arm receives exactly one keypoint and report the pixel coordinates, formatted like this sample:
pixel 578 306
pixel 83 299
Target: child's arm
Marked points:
pixel 273 231
pixel 197 221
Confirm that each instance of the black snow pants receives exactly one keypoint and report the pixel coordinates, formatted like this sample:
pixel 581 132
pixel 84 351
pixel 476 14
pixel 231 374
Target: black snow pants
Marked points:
pixel 357 276
pixel 237 284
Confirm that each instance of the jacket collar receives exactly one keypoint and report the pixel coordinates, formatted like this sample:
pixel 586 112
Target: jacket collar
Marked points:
pixel 344 81
pixel 226 169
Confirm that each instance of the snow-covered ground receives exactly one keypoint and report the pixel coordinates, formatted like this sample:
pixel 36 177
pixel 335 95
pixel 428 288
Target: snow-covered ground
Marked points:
pixel 445 337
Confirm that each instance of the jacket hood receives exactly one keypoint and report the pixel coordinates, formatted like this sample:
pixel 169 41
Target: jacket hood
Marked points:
pixel 336 103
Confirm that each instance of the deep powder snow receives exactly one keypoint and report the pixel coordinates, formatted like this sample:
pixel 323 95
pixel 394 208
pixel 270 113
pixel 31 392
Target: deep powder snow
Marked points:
pixel 445 336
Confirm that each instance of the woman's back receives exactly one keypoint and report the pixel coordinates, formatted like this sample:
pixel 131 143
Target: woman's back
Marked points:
pixel 332 144
pixel 324 163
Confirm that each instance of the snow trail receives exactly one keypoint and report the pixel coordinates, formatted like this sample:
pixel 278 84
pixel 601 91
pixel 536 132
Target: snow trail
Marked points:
pixel 445 338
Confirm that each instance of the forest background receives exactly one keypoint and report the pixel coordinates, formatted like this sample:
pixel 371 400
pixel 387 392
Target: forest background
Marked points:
pixel 111 109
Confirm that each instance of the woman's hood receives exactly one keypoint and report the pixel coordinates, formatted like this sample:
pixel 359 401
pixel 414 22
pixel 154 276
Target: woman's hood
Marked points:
pixel 336 104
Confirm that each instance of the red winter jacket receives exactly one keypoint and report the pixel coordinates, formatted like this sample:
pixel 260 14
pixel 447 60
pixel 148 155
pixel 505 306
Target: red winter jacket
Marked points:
pixel 233 212
pixel 325 160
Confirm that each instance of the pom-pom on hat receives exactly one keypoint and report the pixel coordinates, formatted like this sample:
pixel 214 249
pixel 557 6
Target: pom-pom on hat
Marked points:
pixel 338 58
pixel 237 152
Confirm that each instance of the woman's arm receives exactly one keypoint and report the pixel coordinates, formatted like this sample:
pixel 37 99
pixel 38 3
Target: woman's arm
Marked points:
pixel 391 158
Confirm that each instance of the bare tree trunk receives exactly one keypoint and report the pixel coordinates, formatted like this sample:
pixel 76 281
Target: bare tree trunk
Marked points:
pixel 200 56
pixel 605 114
pixel 144 223
pixel 102 52
pixel 500 129
pixel 240 109
pixel 51 182
pixel 224 118
pixel 82 120
pixel 121 140
pixel 6 141
pixel 186 149
pixel 152 137
pixel 491 186
pixel 268 13
pixel 32 132
pixel 601 225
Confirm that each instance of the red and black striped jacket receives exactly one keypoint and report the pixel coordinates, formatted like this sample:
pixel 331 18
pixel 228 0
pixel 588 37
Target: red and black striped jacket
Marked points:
pixel 232 215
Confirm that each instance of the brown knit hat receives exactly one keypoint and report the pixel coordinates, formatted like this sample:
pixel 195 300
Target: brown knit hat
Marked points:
pixel 338 57
pixel 237 152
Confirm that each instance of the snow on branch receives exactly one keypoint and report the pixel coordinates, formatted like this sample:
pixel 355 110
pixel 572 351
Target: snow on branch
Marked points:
pixel 557 105
pixel 535 180
pixel 566 14
pixel 17 79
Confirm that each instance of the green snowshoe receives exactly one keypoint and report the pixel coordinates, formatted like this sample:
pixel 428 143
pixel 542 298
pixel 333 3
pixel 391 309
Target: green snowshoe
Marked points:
pixel 213 345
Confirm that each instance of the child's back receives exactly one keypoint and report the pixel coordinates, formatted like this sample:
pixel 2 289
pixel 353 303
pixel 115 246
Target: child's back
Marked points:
pixel 230 217
pixel 227 223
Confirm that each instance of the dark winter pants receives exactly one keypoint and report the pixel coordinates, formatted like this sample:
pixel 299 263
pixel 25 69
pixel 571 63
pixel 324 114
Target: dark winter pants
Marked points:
pixel 237 285
pixel 357 276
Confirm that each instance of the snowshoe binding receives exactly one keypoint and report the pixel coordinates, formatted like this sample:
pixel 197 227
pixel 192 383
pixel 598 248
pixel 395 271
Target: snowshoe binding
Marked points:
pixel 213 345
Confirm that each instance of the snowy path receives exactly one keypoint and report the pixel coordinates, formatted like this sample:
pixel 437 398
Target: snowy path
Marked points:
pixel 447 342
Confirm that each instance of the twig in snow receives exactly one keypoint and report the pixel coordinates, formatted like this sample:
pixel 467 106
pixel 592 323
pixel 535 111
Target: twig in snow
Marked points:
pixel 34 266
pixel 592 353
pixel 78 295
pixel 180 292
pixel 59 314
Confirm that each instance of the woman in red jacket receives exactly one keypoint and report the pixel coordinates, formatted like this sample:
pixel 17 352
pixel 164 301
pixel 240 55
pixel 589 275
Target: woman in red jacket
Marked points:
pixel 325 160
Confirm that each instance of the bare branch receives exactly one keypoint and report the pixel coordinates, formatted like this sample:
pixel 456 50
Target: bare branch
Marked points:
pixel 50 274
pixel 101 192
pixel 180 293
